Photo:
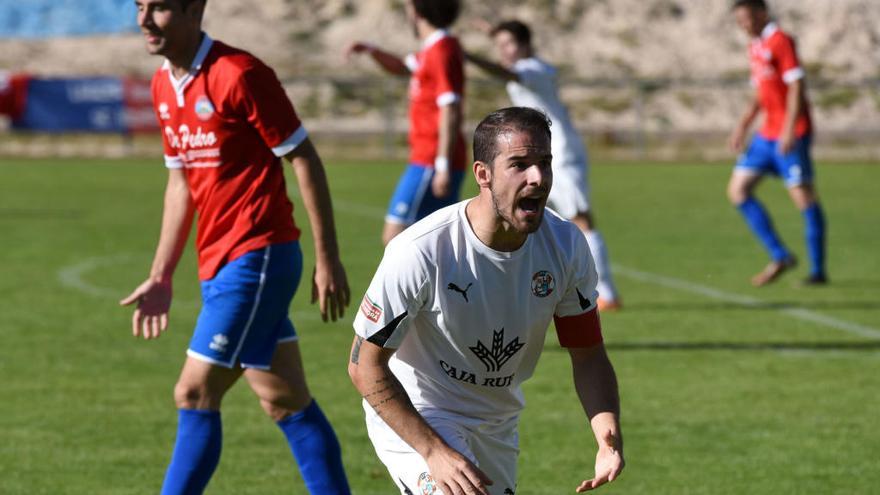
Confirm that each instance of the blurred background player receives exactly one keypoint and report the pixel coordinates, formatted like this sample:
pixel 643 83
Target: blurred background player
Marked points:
pixel 226 120
pixel 532 82
pixel 433 177
pixel 781 147
pixel 455 318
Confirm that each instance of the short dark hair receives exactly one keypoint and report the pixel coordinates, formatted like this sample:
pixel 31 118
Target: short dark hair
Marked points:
pixel 752 4
pixel 184 4
pixel 519 30
pixel 439 13
pixel 506 120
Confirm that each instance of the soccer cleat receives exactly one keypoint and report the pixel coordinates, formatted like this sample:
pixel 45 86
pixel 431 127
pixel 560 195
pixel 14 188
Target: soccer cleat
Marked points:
pixel 773 270
pixel 608 305
pixel 814 280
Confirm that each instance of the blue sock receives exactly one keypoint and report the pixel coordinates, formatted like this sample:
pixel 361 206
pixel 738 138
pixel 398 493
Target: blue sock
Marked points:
pixel 759 221
pixel 316 449
pixel 814 222
pixel 196 452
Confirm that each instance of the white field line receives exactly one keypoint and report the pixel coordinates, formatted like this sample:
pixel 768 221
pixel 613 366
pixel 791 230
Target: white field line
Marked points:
pixel 712 293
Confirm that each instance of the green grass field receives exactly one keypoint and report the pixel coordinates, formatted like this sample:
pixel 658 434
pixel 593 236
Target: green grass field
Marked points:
pixel 726 389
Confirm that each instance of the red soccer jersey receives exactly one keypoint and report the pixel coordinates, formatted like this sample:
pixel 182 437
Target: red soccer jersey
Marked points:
pixel 437 80
pixel 775 64
pixel 226 123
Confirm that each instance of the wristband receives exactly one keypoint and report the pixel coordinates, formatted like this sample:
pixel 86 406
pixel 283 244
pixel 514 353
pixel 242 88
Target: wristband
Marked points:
pixel 441 164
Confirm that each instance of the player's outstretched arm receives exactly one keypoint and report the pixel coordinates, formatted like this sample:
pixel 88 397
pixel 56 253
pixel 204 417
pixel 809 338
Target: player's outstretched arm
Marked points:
pixel 153 296
pixel 491 68
pixel 737 137
pixel 596 386
pixel 370 373
pixel 329 283
pixel 388 61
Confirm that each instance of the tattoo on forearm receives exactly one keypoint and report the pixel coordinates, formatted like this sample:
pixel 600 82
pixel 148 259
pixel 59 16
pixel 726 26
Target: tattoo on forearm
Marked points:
pixel 356 351
pixel 387 389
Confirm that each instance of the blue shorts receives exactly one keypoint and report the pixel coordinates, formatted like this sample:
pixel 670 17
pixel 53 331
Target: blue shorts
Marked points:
pixel 245 306
pixel 413 199
pixel 763 157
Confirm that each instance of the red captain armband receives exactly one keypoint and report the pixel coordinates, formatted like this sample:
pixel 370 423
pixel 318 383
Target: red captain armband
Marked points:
pixel 583 330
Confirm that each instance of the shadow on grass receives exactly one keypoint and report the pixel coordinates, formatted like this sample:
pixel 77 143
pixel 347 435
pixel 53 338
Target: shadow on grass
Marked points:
pixel 862 346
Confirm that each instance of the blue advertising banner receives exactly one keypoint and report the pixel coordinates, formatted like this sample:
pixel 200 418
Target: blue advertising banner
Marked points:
pixel 98 104
pixel 51 18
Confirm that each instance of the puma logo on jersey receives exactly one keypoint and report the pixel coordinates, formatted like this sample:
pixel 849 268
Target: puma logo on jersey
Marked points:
pixel 585 303
pixel 500 353
pixel 458 289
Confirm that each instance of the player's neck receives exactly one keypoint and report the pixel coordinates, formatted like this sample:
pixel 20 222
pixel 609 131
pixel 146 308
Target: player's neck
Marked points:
pixel 181 60
pixel 425 30
pixel 491 229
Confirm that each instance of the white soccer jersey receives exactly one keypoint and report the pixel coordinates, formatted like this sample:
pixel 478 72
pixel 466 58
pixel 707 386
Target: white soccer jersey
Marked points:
pixel 537 88
pixel 469 322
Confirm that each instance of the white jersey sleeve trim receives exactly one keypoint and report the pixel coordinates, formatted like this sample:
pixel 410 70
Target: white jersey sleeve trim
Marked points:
pixel 792 75
pixel 411 62
pixel 291 142
pixel 173 162
pixel 448 98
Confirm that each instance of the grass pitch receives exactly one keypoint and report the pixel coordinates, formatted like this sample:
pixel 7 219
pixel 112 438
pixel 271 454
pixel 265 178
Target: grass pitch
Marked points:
pixel 725 388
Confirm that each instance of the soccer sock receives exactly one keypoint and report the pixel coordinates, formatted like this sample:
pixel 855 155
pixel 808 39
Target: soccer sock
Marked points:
pixel 758 220
pixel 316 449
pixel 814 221
pixel 605 286
pixel 196 452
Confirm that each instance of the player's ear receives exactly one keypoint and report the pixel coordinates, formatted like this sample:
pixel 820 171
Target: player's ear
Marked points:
pixel 482 173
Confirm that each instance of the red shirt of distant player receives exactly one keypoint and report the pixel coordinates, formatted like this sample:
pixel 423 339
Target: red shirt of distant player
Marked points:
pixel 226 123
pixel 437 80
pixel 775 65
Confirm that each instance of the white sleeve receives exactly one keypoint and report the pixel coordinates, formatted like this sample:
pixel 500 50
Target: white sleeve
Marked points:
pixel 580 293
pixel 399 290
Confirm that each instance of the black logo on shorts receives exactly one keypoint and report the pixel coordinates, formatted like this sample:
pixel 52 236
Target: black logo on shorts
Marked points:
pixel 458 289
pixel 585 303
pixel 501 353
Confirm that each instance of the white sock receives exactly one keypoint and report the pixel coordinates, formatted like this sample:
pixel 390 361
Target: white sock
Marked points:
pixel 605 286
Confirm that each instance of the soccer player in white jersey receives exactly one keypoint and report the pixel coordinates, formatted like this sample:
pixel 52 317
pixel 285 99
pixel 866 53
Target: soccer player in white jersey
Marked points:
pixel 455 317
pixel 532 82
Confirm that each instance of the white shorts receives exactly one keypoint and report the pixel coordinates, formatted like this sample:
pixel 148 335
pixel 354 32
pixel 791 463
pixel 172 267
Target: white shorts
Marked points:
pixel 570 193
pixel 494 448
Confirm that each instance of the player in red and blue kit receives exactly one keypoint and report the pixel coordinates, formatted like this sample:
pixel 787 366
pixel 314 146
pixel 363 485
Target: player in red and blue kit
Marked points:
pixel 434 175
pixel 781 147
pixel 226 121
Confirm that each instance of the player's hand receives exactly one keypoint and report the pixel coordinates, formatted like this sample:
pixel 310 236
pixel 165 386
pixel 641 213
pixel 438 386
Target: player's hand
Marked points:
pixel 330 289
pixel 737 137
pixel 786 142
pixel 440 184
pixel 357 47
pixel 482 25
pixel 455 474
pixel 609 464
pixel 153 300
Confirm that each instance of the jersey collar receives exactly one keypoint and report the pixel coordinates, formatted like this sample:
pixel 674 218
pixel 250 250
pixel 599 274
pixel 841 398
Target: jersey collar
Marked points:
pixel 180 84
pixel 769 30
pixel 434 37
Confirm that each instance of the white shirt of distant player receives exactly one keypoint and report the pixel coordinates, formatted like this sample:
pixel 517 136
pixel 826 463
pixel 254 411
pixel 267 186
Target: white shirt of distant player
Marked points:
pixel 472 320
pixel 538 88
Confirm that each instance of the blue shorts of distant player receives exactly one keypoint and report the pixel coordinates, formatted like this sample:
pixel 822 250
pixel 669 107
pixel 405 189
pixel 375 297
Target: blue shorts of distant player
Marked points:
pixel 245 308
pixel 763 157
pixel 413 199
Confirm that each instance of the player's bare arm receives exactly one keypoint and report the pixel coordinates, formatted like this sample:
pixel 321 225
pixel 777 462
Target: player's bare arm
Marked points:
pixel 329 283
pixel 372 377
pixel 390 62
pixel 153 296
pixel 737 137
pixel 596 386
pixel 492 68
pixel 450 123
pixel 794 103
